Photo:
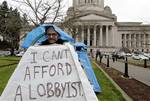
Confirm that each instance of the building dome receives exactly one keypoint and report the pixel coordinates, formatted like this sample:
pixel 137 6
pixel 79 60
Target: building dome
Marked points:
pixel 107 10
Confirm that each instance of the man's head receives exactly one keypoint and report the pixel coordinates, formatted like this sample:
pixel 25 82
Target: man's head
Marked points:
pixel 52 35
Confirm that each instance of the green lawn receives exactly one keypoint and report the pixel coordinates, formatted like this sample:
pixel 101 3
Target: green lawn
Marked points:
pixel 4 61
pixel 109 92
pixel 6 69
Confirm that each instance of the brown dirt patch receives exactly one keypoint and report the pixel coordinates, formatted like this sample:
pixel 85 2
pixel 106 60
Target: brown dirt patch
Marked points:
pixel 135 89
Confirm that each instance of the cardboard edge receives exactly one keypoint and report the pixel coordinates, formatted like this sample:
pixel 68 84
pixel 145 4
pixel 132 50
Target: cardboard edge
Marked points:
pixel 82 76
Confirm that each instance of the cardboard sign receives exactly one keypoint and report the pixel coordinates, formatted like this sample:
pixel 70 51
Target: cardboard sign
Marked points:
pixel 49 73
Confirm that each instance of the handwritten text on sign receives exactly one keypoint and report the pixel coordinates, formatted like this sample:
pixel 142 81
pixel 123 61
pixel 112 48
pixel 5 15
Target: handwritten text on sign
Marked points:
pixel 53 70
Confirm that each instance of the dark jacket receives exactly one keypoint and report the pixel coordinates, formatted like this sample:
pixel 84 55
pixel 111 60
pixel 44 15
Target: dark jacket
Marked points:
pixel 59 41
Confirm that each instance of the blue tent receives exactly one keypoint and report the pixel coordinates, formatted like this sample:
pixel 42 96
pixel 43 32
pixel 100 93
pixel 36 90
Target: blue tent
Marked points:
pixel 38 35
pixel 81 49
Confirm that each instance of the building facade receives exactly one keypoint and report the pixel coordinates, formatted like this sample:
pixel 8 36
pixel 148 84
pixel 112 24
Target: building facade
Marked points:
pixel 98 28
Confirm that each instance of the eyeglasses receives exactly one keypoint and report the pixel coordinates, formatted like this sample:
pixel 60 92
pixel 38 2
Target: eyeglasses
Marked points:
pixel 52 34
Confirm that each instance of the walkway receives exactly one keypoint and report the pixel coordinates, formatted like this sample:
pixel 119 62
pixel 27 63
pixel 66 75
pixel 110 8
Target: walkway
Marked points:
pixel 139 73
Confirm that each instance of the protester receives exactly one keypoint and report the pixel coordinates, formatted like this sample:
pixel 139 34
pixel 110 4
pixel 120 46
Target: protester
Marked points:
pixel 53 37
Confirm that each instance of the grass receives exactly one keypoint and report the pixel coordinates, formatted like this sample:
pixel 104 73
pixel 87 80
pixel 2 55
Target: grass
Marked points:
pixel 5 74
pixel 4 61
pixel 6 69
pixel 109 92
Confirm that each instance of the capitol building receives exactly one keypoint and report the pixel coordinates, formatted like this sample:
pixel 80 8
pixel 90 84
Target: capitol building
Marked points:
pixel 97 27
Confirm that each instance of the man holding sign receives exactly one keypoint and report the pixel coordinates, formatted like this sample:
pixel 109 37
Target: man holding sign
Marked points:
pixel 49 73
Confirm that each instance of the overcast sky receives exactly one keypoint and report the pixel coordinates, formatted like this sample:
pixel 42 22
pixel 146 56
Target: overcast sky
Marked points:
pixel 126 10
pixel 130 10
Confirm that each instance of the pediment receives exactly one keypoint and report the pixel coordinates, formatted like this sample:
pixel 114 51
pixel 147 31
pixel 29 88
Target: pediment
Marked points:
pixel 94 17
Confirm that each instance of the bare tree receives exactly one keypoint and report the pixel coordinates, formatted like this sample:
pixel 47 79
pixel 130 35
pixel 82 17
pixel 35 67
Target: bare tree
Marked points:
pixel 69 22
pixel 42 11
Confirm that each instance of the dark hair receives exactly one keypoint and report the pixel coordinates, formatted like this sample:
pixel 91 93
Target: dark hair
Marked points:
pixel 49 27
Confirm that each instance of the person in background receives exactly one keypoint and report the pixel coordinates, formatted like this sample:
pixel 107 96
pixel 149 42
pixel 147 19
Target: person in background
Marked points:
pixel 97 54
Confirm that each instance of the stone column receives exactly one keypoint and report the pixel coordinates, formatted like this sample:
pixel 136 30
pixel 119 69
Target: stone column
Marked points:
pixel 100 36
pixel 88 37
pixel 107 41
pixel 94 35
pixel 125 40
pixel 123 36
pixel 137 44
pixel 139 41
pixel 82 33
pixel 77 35
pixel 133 41
pixel 144 40
pixel 82 1
pixel 136 40
pixel 112 36
pixel 148 40
pixel 129 40
pixel 135 37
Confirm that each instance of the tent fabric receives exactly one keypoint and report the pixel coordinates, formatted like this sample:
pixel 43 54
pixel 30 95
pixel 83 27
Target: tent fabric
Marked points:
pixel 80 44
pixel 38 35
pixel 85 62
pixel 89 71
pixel 33 36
